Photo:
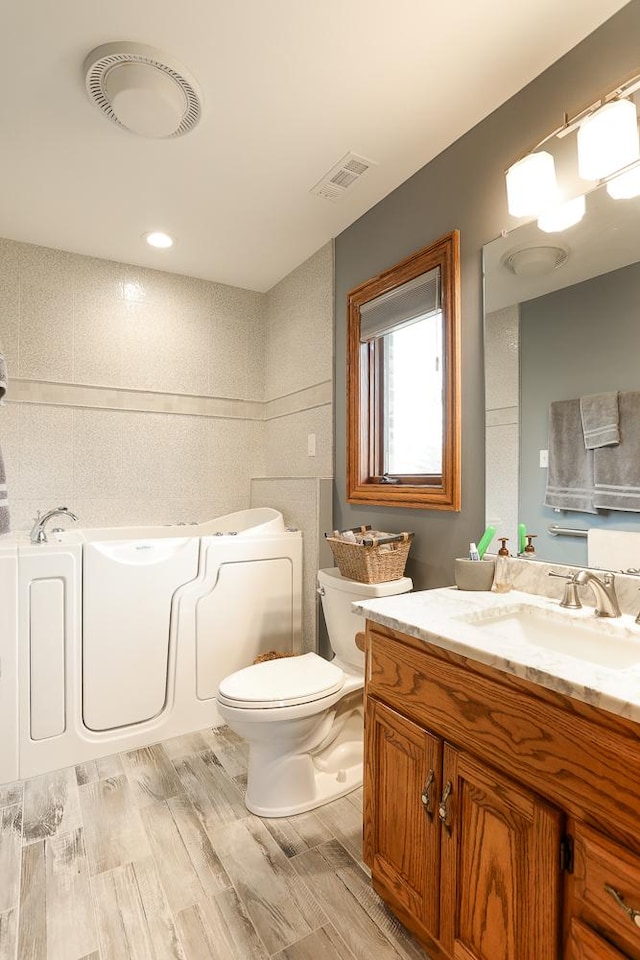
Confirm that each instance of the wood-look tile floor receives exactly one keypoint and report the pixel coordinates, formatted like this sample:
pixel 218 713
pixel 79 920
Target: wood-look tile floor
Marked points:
pixel 152 855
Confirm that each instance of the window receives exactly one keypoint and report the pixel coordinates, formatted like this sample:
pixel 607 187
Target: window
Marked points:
pixel 403 388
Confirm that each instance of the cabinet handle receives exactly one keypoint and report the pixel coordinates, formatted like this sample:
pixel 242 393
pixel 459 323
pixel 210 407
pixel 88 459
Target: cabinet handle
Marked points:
pixel 443 806
pixel 634 915
pixel 427 793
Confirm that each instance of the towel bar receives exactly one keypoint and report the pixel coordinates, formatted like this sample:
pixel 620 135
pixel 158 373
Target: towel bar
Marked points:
pixel 557 531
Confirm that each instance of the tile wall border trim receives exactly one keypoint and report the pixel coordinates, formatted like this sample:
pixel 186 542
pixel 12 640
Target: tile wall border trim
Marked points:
pixel 502 416
pixel 318 395
pixel 52 393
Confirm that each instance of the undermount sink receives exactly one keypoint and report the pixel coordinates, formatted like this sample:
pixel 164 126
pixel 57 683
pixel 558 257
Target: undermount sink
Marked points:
pixel 605 643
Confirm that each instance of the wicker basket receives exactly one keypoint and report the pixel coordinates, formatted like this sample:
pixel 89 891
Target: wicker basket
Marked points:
pixel 374 558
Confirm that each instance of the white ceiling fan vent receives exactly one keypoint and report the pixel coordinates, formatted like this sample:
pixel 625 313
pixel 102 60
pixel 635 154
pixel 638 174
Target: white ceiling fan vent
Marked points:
pixel 535 261
pixel 142 89
pixel 341 177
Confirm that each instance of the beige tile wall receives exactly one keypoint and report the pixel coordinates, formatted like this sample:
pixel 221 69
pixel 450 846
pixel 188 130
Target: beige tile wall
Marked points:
pixel 307 504
pixel 138 396
pixel 300 327
pixel 299 395
pixel 68 323
pixel 299 312
pixel 120 467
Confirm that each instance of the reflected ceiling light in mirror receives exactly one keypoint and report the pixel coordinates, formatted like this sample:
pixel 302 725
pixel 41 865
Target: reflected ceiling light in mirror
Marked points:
pixel 626 185
pixel 158 239
pixel 608 140
pixel 532 185
pixel 563 216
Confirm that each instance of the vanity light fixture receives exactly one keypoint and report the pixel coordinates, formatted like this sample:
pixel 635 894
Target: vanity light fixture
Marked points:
pixel 563 216
pixel 159 239
pixel 607 142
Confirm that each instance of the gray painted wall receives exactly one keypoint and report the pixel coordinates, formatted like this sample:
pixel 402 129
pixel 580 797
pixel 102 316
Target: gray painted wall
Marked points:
pixel 464 188
pixel 580 340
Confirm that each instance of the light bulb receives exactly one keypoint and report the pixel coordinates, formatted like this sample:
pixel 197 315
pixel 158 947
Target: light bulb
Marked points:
pixel 563 216
pixel 608 140
pixel 531 185
pixel 158 239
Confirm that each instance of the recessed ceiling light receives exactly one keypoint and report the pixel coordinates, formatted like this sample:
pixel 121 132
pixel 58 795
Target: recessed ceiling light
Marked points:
pixel 159 239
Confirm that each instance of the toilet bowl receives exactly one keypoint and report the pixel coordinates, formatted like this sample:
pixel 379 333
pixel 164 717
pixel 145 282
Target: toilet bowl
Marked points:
pixel 303 716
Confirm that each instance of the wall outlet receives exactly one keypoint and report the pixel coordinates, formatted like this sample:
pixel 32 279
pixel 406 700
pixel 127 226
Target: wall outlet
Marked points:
pixel 311 445
pixel 544 458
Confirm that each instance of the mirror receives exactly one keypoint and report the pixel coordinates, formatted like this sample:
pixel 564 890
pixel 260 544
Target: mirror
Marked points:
pixel 403 383
pixel 562 320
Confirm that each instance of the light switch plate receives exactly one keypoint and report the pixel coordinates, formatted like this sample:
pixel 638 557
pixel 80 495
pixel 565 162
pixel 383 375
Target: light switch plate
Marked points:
pixel 311 444
pixel 544 458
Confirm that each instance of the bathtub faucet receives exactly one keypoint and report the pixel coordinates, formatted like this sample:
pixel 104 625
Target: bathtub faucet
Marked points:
pixel 38 532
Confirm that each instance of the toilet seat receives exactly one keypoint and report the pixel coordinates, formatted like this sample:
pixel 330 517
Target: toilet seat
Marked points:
pixel 287 681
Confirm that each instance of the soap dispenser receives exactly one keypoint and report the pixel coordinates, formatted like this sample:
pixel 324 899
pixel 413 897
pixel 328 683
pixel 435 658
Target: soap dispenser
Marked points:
pixel 530 550
pixel 502 579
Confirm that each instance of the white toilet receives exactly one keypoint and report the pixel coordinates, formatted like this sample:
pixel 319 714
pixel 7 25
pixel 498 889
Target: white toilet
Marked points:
pixel 303 716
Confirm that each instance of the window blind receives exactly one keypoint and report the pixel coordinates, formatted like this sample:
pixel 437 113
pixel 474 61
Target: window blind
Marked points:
pixel 412 301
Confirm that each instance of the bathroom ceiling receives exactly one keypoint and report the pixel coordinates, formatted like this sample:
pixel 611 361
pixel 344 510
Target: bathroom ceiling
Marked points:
pixel 289 87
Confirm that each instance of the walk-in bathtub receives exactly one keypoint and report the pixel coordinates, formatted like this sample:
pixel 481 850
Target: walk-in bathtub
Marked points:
pixel 113 638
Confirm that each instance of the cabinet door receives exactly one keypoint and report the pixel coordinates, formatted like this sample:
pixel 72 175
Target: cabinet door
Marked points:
pixel 500 866
pixel 402 834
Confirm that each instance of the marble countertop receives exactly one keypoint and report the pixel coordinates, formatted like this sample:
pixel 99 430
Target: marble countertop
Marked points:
pixel 450 618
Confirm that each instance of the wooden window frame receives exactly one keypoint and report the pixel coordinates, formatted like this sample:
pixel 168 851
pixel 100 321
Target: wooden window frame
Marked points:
pixel 364 398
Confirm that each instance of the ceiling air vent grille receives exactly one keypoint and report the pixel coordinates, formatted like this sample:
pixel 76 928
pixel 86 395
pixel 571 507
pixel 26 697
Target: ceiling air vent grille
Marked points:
pixel 341 177
pixel 535 261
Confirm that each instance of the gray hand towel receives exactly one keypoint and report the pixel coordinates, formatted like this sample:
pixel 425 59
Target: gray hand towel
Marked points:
pixel 570 473
pixel 600 420
pixel 3 377
pixel 617 469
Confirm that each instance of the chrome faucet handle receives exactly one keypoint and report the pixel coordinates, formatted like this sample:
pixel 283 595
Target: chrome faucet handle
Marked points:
pixel 570 596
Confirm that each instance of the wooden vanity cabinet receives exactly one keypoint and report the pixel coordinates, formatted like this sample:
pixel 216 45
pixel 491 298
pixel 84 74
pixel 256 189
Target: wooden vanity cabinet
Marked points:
pixel 459 847
pixel 497 814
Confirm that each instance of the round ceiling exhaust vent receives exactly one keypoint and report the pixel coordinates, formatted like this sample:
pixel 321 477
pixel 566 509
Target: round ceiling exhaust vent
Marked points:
pixel 535 261
pixel 142 89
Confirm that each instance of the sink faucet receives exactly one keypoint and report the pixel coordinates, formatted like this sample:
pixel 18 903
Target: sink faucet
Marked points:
pixel 38 532
pixel 604 590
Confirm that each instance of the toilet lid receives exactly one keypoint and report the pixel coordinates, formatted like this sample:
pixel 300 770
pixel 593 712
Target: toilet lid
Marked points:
pixel 282 683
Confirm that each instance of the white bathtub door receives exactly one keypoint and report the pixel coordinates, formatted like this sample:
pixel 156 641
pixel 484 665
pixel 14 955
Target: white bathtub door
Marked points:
pixel 248 611
pixel 128 587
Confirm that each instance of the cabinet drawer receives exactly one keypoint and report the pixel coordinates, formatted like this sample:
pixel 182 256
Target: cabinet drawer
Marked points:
pixel 603 872
pixel 584 944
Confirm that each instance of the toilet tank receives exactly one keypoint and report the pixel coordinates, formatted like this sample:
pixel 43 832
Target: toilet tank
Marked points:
pixel 338 593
